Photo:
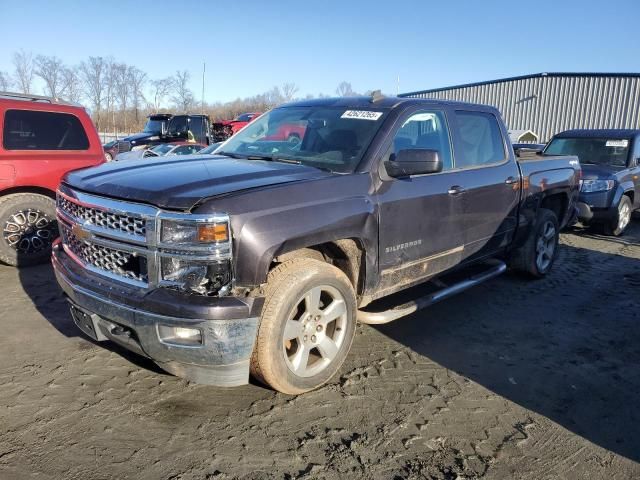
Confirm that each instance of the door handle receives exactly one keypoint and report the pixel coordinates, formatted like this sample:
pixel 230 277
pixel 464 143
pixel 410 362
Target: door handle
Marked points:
pixel 511 180
pixel 456 190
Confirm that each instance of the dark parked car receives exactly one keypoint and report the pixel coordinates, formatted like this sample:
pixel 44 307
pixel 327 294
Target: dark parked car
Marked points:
pixel 261 257
pixel 610 188
pixel 110 150
pixel 538 147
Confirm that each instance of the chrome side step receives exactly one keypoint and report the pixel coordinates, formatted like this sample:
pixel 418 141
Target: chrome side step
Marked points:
pixel 496 267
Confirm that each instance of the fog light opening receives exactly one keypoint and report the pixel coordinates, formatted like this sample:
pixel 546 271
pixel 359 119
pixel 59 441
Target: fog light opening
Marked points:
pixel 191 337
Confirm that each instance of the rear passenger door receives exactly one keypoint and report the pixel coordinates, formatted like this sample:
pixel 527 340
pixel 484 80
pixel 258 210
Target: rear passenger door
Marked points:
pixel 489 179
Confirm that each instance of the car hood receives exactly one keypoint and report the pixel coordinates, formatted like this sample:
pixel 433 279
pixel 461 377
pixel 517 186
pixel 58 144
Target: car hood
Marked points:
pixel 179 184
pixel 595 172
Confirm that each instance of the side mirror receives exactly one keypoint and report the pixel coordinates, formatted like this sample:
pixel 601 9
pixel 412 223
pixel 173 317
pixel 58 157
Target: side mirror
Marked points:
pixel 414 161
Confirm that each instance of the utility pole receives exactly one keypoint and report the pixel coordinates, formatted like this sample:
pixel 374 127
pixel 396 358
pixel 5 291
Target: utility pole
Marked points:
pixel 204 68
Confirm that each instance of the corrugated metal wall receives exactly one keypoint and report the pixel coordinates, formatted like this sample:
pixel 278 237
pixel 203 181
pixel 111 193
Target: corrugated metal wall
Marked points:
pixel 548 104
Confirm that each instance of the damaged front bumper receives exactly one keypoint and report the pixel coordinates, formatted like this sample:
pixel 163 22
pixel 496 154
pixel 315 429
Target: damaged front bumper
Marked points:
pixel 135 319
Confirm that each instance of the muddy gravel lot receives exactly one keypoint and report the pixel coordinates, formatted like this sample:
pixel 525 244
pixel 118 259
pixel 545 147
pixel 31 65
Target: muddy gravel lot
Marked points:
pixel 513 379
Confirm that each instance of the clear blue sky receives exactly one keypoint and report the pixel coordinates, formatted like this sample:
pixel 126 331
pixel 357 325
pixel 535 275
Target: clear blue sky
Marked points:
pixel 250 46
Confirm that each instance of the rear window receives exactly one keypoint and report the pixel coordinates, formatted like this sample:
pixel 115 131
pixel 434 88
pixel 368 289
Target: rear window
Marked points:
pixel 34 130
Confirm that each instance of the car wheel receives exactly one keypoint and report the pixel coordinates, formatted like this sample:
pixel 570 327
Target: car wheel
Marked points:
pixel 29 227
pixel 622 220
pixel 536 256
pixel 307 326
pixel 107 156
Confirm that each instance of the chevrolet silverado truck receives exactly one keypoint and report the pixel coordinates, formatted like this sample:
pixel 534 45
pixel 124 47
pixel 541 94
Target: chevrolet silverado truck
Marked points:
pixel 610 187
pixel 262 257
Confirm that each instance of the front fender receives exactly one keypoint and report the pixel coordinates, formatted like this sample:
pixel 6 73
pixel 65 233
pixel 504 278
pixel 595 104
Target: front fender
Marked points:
pixel 623 187
pixel 265 237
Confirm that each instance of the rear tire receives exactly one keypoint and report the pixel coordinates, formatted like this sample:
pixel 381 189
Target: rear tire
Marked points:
pixel 107 156
pixel 620 223
pixel 307 326
pixel 535 258
pixel 28 227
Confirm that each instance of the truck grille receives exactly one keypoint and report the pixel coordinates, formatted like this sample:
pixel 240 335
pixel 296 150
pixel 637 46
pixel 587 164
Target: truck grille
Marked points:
pixel 100 218
pixel 123 146
pixel 118 262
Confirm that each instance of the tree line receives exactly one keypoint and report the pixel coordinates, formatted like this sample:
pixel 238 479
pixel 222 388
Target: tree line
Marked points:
pixel 120 96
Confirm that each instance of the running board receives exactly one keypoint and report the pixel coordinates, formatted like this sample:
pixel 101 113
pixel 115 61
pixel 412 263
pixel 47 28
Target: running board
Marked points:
pixel 496 268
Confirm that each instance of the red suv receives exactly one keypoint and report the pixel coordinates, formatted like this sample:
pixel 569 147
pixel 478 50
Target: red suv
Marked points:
pixel 41 140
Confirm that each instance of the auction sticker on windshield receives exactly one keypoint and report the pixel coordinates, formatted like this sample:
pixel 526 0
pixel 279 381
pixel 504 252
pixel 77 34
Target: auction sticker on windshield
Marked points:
pixel 361 115
pixel 617 143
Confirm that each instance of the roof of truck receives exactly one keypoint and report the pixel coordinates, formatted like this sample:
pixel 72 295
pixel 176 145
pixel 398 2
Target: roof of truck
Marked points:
pixel 599 133
pixel 379 102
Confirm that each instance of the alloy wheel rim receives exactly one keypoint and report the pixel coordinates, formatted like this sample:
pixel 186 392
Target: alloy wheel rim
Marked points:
pixel 545 246
pixel 624 216
pixel 29 231
pixel 314 331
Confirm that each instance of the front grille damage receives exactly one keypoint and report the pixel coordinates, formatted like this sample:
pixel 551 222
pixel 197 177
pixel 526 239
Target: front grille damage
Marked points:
pixel 118 262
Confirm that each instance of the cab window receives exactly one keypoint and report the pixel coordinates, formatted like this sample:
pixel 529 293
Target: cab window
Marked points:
pixel 480 138
pixel 425 129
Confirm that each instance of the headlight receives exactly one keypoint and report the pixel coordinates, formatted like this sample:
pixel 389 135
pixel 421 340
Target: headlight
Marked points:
pixel 138 147
pixel 205 277
pixel 193 233
pixel 589 186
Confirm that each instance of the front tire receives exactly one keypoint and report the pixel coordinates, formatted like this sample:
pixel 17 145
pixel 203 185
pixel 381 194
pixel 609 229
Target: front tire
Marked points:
pixel 535 258
pixel 622 220
pixel 307 326
pixel 28 227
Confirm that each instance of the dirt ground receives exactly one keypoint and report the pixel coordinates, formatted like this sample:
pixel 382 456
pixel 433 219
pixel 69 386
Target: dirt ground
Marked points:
pixel 513 379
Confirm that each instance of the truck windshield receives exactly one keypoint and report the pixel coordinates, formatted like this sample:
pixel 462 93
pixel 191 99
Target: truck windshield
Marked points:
pixel 592 151
pixel 153 126
pixel 330 138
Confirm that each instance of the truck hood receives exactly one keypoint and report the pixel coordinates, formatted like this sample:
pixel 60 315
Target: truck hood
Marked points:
pixel 142 137
pixel 599 172
pixel 179 184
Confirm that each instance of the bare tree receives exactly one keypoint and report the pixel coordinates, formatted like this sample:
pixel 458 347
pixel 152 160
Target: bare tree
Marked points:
pixel 182 94
pixel 72 84
pixel 159 90
pixel 23 64
pixel 5 81
pixel 137 78
pixel 50 70
pixel 123 92
pixel 110 90
pixel 289 91
pixel 344 89
pixel 93 76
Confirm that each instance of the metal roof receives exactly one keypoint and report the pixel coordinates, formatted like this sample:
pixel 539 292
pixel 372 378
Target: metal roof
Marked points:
pixel 524 77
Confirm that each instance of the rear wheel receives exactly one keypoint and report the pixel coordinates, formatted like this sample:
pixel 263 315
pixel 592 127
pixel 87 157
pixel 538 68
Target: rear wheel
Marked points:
pixel 307 326
pixel 293 138
pixel 107 156
pixel 537 255
pixel 622 220
pixel 28 223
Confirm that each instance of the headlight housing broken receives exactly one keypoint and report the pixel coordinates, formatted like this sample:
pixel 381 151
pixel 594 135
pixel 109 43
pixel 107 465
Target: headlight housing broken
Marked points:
pixel 195 253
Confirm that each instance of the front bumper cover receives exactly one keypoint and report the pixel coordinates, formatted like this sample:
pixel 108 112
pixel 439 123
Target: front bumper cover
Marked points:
pixel 130 317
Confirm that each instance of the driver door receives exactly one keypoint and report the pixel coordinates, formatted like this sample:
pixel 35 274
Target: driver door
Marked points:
pixel 420 216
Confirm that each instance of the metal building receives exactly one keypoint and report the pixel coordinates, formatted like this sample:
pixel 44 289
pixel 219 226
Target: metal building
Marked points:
pixel 547 103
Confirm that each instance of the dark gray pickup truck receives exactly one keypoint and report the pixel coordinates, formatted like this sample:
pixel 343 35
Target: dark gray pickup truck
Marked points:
pixel 261 258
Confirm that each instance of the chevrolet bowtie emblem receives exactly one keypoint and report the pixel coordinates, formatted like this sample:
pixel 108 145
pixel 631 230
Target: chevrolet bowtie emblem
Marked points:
pixel 80 233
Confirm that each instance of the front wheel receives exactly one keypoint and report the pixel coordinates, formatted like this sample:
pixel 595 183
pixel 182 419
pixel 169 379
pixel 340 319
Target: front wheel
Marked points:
pixel 28 223
pixel 307 326
pixel 622 220
pixel 537 255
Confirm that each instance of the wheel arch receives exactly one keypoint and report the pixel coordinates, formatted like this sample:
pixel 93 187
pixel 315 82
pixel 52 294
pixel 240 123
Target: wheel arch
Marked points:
pixel 29 189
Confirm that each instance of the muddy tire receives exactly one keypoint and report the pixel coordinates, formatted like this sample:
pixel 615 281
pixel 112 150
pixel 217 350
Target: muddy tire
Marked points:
pixel 621 221
pixel 535 258
pixel 307 326
pixel 27 229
